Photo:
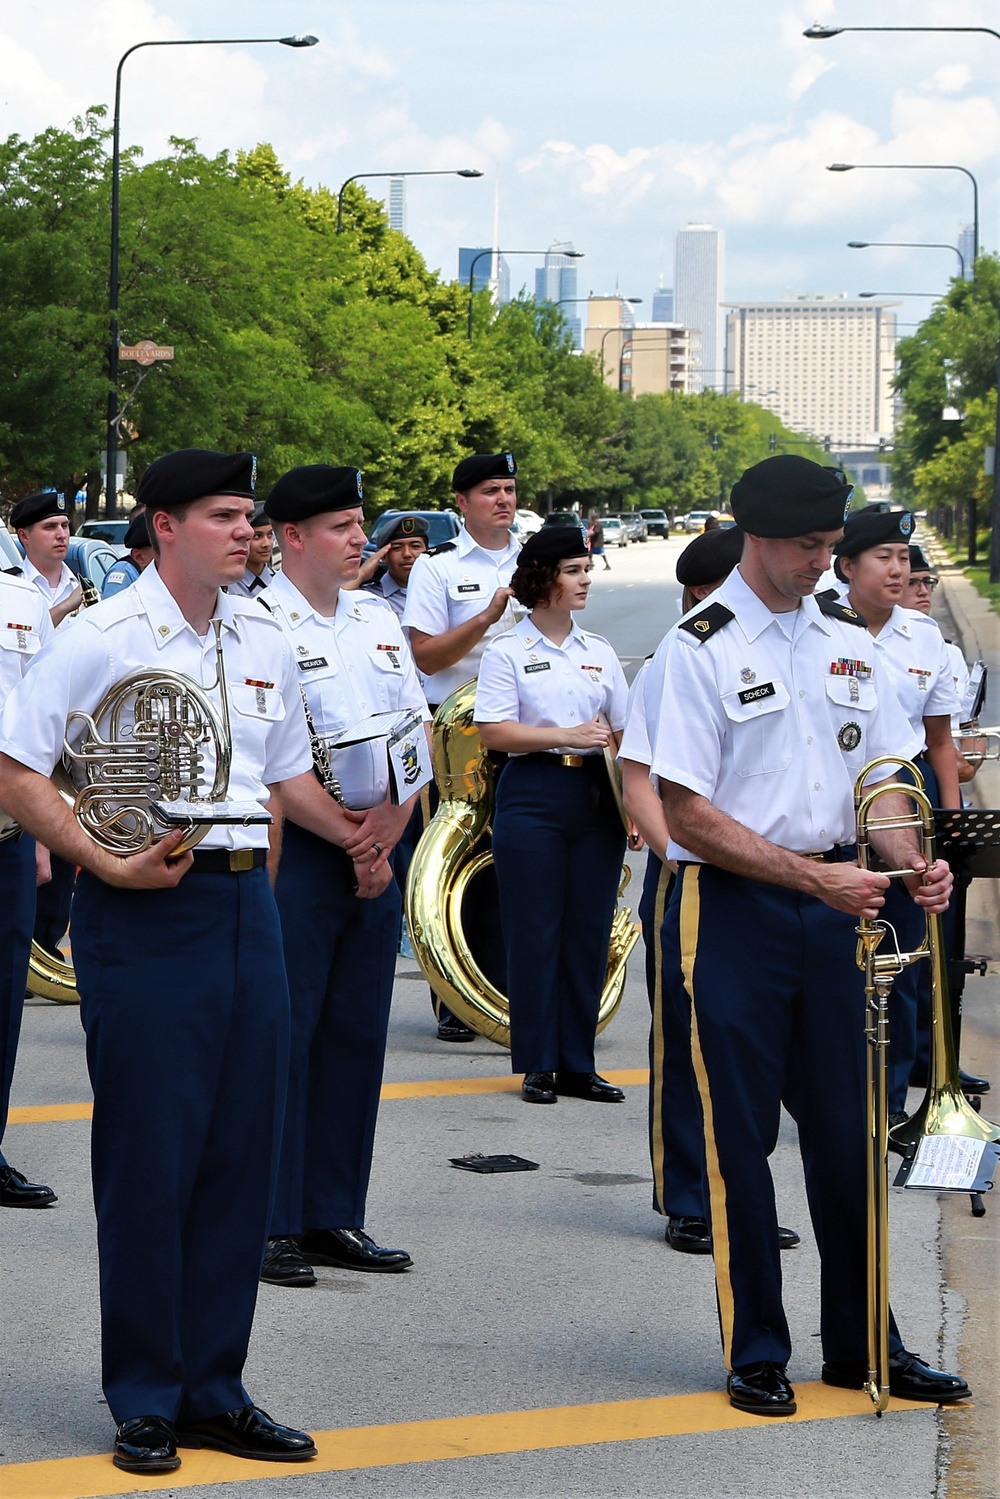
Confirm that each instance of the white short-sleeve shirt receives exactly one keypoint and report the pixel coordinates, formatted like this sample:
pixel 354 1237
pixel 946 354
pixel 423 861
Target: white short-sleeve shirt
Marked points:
pixel 450 588
pixel 25 626
pixel 771 717
pixel 525 678
pixel 914 655
pixel 142 629
pixel 351 665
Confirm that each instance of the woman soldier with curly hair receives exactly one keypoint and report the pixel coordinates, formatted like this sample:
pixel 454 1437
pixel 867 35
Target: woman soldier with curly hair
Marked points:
pixel 552 697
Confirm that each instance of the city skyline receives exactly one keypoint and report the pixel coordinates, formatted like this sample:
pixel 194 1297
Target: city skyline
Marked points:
pixel 393 86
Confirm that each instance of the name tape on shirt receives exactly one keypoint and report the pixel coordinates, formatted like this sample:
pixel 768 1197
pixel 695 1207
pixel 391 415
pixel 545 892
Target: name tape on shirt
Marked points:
pixel 469 587
pixel 539 666
pixel 313 663
pixel 754 694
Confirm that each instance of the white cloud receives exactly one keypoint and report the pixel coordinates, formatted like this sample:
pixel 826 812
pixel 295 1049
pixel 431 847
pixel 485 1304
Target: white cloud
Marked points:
pixel 950 79
pixel 805 75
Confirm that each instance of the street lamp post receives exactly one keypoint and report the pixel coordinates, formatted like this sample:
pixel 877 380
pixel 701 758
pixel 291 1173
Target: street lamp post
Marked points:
pixel 920 166
pixel 819 33
pixel 111 481
pixel 570 255
pixel 905 244
pixel 358 176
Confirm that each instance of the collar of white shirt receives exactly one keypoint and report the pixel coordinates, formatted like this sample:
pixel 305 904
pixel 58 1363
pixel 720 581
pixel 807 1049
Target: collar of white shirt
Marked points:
pixel 163 611
pixel 752 613
pixel 67 575
pixel 529 634
pixel 297 609
pixel 467 544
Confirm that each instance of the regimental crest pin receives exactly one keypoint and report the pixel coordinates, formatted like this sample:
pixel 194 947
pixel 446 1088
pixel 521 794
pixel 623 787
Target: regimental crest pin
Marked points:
pixel 854 689
pixel 849 737
pixel 510 462
pixel 748 675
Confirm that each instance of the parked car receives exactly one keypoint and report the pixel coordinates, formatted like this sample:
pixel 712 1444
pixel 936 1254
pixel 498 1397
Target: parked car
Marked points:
pixel 565 518
pixel 443 526
pixel 111 531
pixel 695 519
pixel 527 522
pixel 615 534
pixel 657 522
pixel 634 525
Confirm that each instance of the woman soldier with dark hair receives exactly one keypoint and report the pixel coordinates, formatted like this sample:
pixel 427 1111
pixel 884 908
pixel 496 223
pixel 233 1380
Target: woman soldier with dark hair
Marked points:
pixel 552 696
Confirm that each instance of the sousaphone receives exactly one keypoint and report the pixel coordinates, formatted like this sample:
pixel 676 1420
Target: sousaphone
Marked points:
pixel 453 852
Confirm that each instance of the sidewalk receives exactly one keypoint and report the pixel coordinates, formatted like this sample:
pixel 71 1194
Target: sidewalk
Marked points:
pixel 970 1247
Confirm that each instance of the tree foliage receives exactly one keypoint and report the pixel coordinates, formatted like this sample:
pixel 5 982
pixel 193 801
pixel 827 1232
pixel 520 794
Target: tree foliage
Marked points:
pixel 304 345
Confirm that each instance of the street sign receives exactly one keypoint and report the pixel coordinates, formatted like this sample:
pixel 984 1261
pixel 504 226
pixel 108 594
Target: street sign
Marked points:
pixel 145 351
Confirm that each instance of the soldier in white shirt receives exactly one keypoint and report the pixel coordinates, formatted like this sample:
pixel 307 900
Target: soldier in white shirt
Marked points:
pixel 338 902
pixel 180 970
pixel 552 697
pixel 24 628
pixel 457 600
pixel 772 704
pixel 43 530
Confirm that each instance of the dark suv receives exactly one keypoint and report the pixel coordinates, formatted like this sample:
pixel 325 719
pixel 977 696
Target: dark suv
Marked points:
pixel 657 522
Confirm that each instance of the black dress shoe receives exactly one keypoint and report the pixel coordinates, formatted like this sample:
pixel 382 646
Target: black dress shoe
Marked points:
pixel 146 1444
pixel 691 1236
pixel 248 1432
pixel 966 1081
pixel 894 1120
pixel 538 1087
pixel 909 1378
pixel 17 1192
pixel 450 1028
pixel 763 1391
pixel 688 1235
pixel 587 1085
pixel 351 1249
pixel 284 1264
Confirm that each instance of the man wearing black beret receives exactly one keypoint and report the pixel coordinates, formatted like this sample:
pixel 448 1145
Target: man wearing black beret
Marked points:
pixel 457 600
pixel 180 969
pixel 337 900
pixel 772 704
pixel 42 527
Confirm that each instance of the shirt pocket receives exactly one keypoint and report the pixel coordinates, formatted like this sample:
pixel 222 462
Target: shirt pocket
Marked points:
pixel 852 701
pixel 20 642
pixel 263 704
pixel 760 730
pixel 470 591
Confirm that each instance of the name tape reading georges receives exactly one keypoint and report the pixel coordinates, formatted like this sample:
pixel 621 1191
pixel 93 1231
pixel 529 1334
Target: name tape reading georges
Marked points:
pixel 754 694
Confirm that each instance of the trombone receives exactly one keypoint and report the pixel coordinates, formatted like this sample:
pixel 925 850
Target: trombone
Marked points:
pixel 945 1111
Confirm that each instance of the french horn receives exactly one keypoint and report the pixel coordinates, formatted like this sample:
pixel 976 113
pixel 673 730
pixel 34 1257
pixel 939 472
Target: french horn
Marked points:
pixel 137 772
pixel 453 850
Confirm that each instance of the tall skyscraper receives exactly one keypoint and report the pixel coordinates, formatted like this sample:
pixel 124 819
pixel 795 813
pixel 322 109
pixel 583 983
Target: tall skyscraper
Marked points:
pixel 555 281
pixel 698 293
pixel 663 304
pixel 397 204
pixel 822 363
pixel 966 247
pixel 481 275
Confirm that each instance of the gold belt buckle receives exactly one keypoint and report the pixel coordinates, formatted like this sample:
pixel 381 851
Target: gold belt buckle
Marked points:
pixel 240 859
pixel 575 761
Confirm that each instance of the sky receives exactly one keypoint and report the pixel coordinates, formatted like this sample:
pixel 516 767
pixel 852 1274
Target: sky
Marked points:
pixel 610 126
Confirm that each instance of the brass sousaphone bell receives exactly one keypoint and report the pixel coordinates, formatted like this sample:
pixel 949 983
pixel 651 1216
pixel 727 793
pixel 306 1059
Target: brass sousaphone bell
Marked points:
pixel 452 851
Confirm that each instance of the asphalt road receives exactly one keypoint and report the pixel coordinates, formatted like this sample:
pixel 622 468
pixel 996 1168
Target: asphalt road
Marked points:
pixel 543 1290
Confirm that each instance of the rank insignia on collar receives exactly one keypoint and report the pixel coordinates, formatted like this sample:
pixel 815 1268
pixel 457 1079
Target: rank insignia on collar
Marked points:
pixel 164 630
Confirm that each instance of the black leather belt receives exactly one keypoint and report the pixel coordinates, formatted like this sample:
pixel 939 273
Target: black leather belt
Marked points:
pixel 227 860
pixel 840 853
pixel 573 762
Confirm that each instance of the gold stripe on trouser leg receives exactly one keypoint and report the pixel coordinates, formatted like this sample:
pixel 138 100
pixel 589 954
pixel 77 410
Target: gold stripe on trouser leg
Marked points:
pixel 690 916
pixel 656 1075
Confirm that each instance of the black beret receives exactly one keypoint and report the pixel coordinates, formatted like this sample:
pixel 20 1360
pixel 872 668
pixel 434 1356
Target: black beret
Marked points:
pixel 480 467
pixel 789 496
pixel 314 489
pixel 874 527
pixel 137 534
pixel 404 528
pixel 553 544
pixel 192 473
pixel 918 562
pixel 260 517
pixel 36 507
pixel 710 557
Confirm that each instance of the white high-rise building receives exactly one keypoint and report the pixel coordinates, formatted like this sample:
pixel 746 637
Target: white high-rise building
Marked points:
pixel 822 363
pixel 698 293
pixel 397 204
pixel 967 248
pixel 555 282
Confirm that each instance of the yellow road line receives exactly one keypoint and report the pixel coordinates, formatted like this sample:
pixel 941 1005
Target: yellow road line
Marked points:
pixel 362 1447
pixel 445 1087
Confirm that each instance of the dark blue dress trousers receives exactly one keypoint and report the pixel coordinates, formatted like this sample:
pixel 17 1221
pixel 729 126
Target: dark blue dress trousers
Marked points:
pixel 341 958
pixel 185 1006
pixel 17 915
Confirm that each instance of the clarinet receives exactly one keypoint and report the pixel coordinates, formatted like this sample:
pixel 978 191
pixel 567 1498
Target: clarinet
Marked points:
pixel 322 764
